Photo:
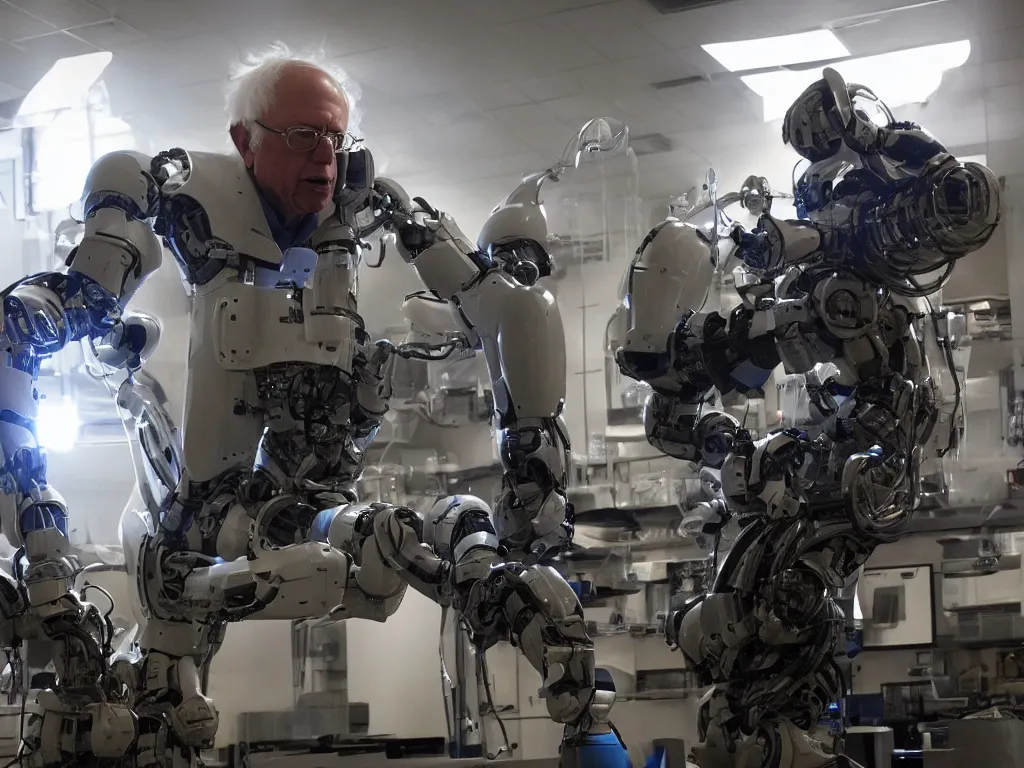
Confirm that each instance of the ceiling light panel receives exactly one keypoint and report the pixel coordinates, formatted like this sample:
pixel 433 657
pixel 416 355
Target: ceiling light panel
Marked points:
pixel 785 50
pixel 900 78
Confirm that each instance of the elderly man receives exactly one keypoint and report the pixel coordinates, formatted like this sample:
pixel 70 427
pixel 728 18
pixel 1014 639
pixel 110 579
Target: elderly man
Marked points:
pixel 289 119
pixel 251 515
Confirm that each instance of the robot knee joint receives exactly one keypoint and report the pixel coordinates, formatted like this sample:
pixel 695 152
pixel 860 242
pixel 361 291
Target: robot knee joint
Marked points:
pixel 195 721
pixel 114 729
pixel 458 524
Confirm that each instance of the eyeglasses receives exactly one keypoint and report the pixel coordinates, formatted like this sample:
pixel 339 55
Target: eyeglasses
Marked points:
pixel 303 139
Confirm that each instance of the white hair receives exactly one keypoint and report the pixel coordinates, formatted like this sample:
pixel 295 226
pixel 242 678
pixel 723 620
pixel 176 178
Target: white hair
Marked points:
pixel 253 82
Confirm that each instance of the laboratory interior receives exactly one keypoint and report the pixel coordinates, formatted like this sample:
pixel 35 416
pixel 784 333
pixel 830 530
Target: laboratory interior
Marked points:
pixel 580 383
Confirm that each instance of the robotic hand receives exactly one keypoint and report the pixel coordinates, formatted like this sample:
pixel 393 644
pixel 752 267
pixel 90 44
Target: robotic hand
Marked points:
pixel 129 343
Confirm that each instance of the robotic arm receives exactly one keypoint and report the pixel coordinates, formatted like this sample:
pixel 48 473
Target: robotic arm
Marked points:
pixel 886 190
pixel 457 554
pixel 44 313
pixel 494 295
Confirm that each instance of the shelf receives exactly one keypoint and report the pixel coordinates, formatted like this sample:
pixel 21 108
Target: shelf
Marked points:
pixel 626 517
pixel 669 693
pixel 1010 515
pixel 633 629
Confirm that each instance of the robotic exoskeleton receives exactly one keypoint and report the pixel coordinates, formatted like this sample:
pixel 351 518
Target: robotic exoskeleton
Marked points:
pixel 251 512
pixel 884 214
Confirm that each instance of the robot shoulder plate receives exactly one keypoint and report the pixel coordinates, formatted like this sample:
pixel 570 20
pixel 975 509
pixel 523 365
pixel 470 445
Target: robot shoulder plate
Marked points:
pixel 220 186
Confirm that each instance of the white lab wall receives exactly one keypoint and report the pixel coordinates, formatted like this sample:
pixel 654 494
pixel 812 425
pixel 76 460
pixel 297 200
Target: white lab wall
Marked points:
pixel 252 672
pixel 395 668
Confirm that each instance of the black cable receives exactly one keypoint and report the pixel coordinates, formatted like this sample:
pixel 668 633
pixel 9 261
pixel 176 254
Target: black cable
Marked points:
pixel 947 348
pixel 490 701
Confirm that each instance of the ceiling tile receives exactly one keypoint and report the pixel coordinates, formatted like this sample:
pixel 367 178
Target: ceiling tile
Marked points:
pixel 497 95
pixel 15 24
pixel 393 24
pixel 620 78
pixel 1005 72
pixel 18 69
pixel 623 42
pixel 1003 126
pixel 439 110
pixel 806 13
pixel 512 165
pixel 112 35
pixel 930 24
pixel 644 120
pixel 534 127
pixel 8 92
pixel 611 29
pixel 406 73
pixel 48 48
pixel 477 138
pixel 1003 13
pixel 606 15
pixel 304 33
pixel 581 108
pixel 63 13
pixel 707 104
pixel 161 19
pixel 1005 98
pixel 553 86
pixel 534 49
pixel 997 45
pixel 740 20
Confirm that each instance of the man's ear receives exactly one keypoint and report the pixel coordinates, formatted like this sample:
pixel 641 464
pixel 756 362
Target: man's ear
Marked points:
pixel 240 137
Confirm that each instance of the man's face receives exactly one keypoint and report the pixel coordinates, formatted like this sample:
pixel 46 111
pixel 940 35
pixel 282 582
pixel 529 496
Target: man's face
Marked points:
pixel 298 183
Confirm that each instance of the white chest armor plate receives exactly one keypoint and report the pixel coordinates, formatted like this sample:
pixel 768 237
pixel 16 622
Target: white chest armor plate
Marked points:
pixel 256 323
pixel 254 327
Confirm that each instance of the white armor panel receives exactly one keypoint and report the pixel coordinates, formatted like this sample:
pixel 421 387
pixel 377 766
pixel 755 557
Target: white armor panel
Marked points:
pixel 121 173
pixel 256 327
pixel 427 314
pixel 517 324
pixel 221 185
pixel 669 277
pixel 19 397
pixel 519 217
pixel 117 252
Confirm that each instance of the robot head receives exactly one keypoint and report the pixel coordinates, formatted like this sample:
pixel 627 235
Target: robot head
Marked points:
pixel 756 195
pixel 832 113
pixel 517 229
pixel 519 218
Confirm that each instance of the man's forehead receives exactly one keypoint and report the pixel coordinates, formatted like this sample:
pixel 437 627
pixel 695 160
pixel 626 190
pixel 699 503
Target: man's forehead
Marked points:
pixel 306 96
pixel 333 116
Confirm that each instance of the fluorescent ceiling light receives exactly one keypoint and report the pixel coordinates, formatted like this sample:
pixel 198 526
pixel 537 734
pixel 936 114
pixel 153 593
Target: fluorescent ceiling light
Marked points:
pixel 66 84
pixel 803 48
pixel 900 78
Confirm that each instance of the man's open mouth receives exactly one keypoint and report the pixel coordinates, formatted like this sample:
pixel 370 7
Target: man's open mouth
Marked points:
pixel 320 182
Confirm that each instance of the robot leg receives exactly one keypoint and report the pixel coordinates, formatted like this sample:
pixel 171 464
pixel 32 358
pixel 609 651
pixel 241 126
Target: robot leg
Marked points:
pixel 451 556
pixel 162 671
pixel 78 715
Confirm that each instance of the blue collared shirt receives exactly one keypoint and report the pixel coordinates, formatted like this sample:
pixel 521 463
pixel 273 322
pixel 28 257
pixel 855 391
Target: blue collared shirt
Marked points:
pixel 297 262
pixel 288 237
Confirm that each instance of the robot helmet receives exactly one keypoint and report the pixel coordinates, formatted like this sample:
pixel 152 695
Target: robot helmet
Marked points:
pixel 811 126
pixel 831 113
pixel 520 217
